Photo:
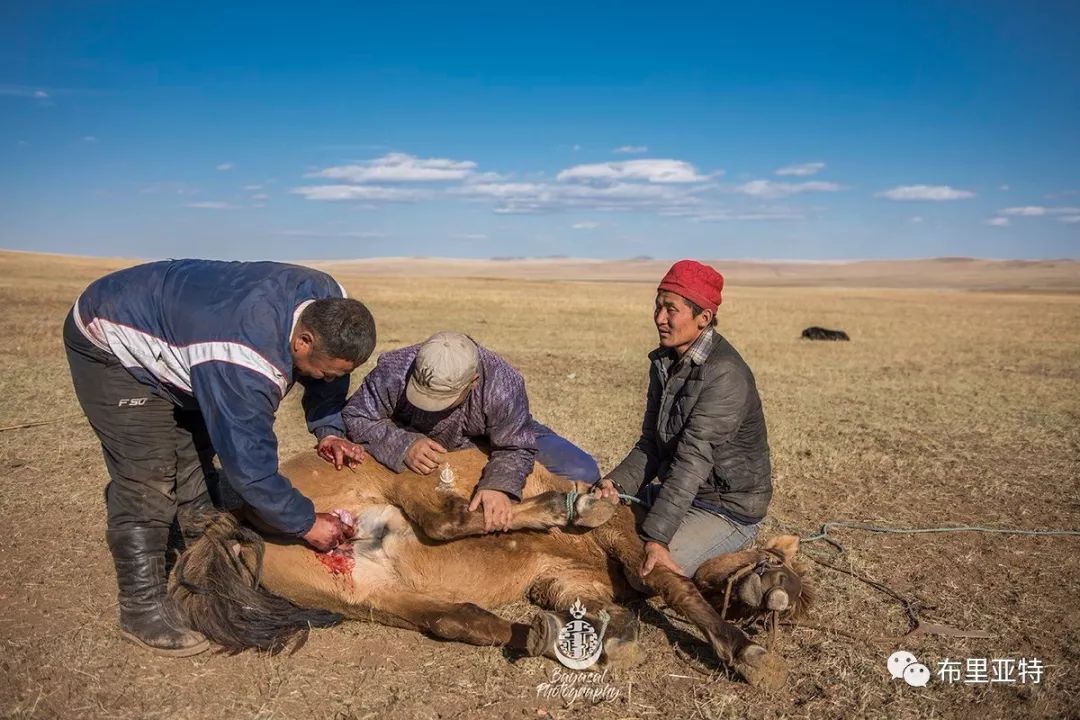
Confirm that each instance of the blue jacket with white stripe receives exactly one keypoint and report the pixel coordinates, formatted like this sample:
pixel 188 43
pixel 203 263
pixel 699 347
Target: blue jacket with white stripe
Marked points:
pixel 216 336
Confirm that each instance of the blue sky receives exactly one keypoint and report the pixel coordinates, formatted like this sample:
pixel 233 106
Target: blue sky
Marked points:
pixel 756 130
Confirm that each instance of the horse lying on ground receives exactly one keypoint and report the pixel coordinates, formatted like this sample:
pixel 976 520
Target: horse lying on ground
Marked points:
pixel 418 559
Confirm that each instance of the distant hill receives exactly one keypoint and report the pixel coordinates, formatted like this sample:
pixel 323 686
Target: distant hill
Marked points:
pixel 957 273
pixel 943 273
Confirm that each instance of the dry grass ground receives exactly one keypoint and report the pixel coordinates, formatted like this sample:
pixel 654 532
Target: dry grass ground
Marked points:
pixel 947 407
pixel 937 273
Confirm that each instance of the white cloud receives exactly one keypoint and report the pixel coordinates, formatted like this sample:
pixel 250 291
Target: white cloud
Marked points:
pixel 400 167
pixel 802 170
pixel 89 138
pixel 653 171
pixel 372 193
pixel 357 234
pixel 503 190
pixel 1027 211
pixel 22 91
pixel 916 219
pixel 468 236
pixel 213 205
pixel 1063 214
pixel 253 187
pixel 260 196
pixel 759 214
pixel 177 188
pixel 997 221
pixel 527 198
pixel 225 166
pixel 631 149
pixel 485 177
pixel 44 94
pixel 1003 187
pixel 585 225
pixel 925 192
pixel 1038 211
pixel 773 189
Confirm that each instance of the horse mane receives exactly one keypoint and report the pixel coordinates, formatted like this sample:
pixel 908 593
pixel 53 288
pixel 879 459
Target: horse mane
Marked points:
pixel 222 597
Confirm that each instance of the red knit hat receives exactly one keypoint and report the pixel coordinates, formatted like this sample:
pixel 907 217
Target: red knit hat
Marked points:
pixel 695 281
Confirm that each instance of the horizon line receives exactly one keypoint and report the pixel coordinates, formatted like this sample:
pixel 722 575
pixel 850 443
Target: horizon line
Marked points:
pixel 583 259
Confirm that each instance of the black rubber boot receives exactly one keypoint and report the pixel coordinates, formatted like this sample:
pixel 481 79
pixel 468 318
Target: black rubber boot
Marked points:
pixel 147 614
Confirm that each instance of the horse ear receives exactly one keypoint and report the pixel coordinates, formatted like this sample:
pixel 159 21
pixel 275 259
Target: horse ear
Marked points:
pixel 786 545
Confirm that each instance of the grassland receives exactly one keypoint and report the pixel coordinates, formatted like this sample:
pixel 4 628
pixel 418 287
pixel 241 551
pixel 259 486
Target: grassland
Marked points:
pixel 948 407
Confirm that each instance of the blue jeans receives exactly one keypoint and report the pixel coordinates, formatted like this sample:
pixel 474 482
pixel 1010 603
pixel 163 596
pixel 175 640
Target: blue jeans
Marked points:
pixel 563 457
pixel 704 534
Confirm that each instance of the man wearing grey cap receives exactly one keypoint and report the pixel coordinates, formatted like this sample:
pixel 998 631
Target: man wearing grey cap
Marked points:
pixel 423 400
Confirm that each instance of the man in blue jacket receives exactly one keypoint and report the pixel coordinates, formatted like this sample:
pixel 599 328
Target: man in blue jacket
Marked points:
pixel 175 361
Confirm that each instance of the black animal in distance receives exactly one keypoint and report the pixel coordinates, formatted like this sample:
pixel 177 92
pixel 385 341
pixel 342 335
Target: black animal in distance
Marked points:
pixel 820 333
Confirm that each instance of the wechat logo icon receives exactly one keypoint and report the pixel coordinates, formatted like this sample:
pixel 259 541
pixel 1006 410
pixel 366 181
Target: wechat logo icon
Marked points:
pixel 903 664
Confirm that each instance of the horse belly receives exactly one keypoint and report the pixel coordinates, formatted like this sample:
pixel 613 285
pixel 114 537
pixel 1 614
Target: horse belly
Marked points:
pixel 380 534
pixel 488 571
pixel 346 577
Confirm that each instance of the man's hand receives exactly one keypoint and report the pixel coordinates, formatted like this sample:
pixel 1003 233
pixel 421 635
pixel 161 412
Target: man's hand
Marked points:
pixel 424 455
pixel 656 555
pixel 606 489
pixel 326 534
pixel 497 509
pixel 339 452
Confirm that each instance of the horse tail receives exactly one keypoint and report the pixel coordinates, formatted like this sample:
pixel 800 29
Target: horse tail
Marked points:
pixel 221 595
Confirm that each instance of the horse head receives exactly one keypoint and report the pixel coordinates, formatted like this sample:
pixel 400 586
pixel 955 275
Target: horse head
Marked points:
pixel 749 585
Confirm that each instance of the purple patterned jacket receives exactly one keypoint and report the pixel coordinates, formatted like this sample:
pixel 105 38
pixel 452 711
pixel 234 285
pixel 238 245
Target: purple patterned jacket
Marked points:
pixel 496 411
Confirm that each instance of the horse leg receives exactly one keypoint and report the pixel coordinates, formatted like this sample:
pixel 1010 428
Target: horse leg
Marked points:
pixel 558 593
pixel 460 622
pixel 730 644
pixel 446 516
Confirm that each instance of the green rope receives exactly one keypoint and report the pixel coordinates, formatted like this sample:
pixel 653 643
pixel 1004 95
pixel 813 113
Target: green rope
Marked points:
pixel 573 495
pixel 824 533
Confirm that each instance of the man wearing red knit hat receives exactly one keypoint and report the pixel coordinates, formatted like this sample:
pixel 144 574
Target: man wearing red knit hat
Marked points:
pixel 701 465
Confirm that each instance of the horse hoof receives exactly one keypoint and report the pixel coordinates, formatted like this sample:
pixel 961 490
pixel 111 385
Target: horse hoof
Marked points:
pixel 760 668
pixel 592 511
pixel 543 632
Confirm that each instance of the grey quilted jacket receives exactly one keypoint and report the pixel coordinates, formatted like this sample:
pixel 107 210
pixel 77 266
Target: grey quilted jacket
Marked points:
pixel 703 438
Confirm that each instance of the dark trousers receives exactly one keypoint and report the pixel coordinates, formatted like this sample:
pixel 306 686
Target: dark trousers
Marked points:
pixel 705 532
pixel 158 455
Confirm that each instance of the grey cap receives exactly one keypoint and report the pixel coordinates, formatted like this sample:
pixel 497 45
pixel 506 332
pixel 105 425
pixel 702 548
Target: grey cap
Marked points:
pixel 445 365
